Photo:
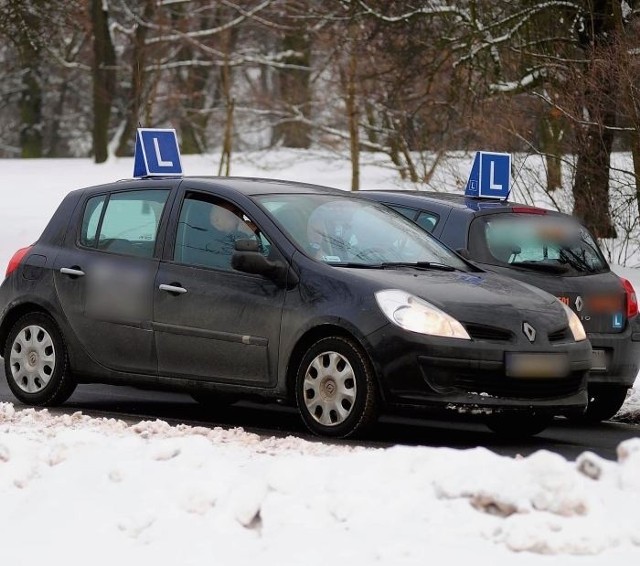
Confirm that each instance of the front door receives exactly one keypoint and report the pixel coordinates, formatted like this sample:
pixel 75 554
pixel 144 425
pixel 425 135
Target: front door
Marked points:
pixel 212 322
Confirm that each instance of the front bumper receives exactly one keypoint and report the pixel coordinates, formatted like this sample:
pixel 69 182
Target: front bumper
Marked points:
pixel 471 376
pixel 622 352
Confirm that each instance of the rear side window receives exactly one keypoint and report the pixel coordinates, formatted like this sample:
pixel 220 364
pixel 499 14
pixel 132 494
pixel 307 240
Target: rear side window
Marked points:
pixel 91 221
pixel 427 220
pixel 125 223
pixel 409 213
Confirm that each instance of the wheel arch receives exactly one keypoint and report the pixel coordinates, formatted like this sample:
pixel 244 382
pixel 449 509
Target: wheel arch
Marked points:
pixel 15 313
pixel 312 335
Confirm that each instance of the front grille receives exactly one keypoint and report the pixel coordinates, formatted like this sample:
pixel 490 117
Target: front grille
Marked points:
pixel 482 332
pixel 562 335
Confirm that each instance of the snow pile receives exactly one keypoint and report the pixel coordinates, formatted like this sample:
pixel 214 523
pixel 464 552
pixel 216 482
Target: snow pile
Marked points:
pixel 102 491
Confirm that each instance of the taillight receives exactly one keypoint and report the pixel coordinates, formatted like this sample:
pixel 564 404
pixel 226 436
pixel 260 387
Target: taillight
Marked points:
pixel 632 299
pixel 16 259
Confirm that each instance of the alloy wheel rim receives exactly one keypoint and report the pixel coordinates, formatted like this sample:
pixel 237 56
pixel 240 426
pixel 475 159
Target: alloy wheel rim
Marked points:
pixel 329 389
pixel 32 359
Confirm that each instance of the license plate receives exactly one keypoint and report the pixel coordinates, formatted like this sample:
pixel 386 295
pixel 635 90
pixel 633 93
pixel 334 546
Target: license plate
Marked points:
pixel 599 360
pixel 537 365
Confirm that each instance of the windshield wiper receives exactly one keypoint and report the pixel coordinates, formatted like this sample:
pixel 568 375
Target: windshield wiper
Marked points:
pixel 575 261
pixel 391 264
pixel 539 266
pixel 355 264
pixel 419 265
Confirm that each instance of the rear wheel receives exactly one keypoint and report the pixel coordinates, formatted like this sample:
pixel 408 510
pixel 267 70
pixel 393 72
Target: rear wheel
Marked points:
pixel 335 388
pixel 605 401
pixel 518 425
pixel 36 362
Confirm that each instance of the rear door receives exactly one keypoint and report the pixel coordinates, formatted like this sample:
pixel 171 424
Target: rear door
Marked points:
pixel 212 322
pixel 105 273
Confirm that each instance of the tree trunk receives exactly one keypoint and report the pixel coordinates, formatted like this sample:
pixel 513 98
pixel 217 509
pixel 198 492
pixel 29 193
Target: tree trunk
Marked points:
pixel 354 121
pixel 295 91
pixel 600 102
pixel 104 80
pixel 31 112
pixel 29 52
pixel 551 134
pixel 138 81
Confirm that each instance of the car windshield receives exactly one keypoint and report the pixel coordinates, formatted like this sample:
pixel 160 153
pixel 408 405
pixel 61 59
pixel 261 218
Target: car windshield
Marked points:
pixel 556 244
pixel 352 232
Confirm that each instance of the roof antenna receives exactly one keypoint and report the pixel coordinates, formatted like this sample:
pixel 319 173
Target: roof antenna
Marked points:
pixel 518 175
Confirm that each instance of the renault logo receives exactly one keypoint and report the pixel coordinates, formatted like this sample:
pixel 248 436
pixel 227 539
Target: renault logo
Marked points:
pixel 579 304
pixel 529 331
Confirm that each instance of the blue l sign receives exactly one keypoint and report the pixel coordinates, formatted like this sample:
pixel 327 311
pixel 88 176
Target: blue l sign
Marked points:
pixel 490 176
pixel 156 153
pixel 618 320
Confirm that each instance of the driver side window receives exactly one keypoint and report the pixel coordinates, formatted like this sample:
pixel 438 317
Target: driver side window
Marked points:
pixel 208 229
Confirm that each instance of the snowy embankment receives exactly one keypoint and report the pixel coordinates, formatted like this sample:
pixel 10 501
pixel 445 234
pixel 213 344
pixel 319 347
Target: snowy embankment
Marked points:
pixel 84 490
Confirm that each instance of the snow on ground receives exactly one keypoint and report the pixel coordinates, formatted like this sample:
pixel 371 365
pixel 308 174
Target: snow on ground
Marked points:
pixel 80 490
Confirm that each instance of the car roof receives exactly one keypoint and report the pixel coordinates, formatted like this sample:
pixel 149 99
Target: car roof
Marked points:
pixel 453 200
pixel 250 186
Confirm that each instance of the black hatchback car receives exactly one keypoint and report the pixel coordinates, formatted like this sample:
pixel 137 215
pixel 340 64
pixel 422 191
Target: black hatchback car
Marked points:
pixel 552 251
pixel 232 288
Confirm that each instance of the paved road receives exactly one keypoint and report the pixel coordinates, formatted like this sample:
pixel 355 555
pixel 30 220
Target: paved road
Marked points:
pixel 132 404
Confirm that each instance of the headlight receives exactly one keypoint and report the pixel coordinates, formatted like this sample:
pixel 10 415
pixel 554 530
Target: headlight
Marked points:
pixel 416 315
pixel 574 323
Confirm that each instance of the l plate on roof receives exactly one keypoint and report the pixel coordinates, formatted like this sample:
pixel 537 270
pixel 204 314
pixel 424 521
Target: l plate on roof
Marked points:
pixel 157 153
pixel 490 176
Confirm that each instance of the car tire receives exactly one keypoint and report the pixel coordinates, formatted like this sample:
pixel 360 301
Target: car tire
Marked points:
pixel 335 388
pixel 518 425
pixel 605 400
pixel 36 362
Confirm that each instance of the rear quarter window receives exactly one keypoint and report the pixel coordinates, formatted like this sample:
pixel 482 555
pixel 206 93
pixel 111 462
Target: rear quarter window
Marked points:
pixel 124 222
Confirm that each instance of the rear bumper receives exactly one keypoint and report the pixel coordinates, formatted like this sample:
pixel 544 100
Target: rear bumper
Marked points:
pixel 622 353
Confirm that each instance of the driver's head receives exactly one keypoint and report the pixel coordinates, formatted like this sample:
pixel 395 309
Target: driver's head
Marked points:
pixel 224 217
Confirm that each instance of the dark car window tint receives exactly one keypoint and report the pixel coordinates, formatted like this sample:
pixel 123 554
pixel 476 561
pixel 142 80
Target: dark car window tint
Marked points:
pixel 131 220
pixel 409 213
pixel 342 230
pixel 427 220
pixel 208 230
pixel 91 220
pixel 538 242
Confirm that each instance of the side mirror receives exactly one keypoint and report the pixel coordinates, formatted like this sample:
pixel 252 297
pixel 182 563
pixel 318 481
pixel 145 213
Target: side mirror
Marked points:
pixel 248 245
pixel 248 259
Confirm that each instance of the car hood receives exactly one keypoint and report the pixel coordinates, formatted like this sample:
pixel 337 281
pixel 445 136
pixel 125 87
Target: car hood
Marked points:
pixel 478 298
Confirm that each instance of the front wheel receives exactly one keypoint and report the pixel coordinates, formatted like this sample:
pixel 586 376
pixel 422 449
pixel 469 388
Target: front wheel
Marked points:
pixel 335 388
pixel 36 363
pixel 518 425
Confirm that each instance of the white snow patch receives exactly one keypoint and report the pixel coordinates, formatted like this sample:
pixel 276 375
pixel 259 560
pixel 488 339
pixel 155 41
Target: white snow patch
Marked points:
pixel 161 494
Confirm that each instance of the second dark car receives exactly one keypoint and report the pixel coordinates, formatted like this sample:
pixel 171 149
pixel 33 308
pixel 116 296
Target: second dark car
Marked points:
pixel 234 288
pixel 554 252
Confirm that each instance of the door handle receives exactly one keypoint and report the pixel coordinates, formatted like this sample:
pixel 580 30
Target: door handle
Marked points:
pixel 72 272
pixel 173 289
